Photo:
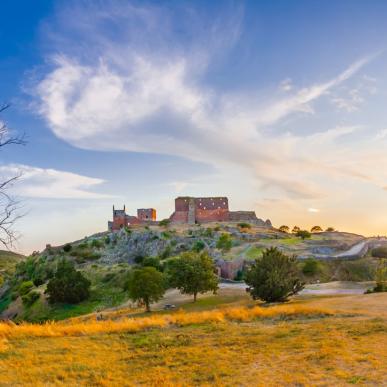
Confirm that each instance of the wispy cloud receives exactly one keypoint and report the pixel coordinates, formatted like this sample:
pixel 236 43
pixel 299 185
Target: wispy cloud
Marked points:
pixel 51 183
pixel 127 92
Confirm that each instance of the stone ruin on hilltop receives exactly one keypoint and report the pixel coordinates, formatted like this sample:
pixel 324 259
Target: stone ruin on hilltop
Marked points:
pixel 188 210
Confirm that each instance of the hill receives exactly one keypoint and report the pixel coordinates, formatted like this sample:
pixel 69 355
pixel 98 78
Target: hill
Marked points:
pixel 106 259
pixel 8 261
pixel 221 340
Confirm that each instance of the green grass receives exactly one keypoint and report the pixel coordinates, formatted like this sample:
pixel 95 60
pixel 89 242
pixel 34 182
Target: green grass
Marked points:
pixel 254 252
pixel 8 261
pixel 289 241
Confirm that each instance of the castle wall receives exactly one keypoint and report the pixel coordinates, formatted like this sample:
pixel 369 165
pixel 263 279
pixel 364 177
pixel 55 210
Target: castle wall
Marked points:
pixel 146 214
pixel 242 216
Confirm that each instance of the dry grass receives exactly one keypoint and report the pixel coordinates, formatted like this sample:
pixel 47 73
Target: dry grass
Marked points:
pixel 281 345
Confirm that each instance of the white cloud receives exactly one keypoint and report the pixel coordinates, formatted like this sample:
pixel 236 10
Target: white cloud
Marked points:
pixel 51 183
pixel 122 96
pixel 313 210
pixel 286 84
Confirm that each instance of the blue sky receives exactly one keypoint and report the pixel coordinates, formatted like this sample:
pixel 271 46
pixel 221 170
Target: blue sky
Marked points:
pixel 279 105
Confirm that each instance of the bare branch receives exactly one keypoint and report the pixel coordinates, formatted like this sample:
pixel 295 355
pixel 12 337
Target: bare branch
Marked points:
pixel 9 206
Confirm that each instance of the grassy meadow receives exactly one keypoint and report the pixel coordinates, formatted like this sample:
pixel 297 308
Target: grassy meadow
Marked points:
pixel 225 339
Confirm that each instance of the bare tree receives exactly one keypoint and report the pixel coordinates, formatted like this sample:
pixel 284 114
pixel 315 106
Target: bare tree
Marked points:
pixel 9 206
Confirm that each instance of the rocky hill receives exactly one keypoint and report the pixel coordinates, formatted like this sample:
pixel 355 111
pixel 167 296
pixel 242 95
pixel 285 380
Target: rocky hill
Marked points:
pixel 106 259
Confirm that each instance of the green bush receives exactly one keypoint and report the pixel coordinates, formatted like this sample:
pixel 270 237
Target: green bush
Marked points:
pixel 166 252
pixel 379 252
pixel 244 225
pixel 67 247
pixel 311 267
pixel 224 242
pixel 198 246
pixel 25 287
pixel 96 243
pixel 68 285
pixel 164 223
pixel 107 240
pixel 303 234
pixel 29 298
pixel 208 232
pixel 152 262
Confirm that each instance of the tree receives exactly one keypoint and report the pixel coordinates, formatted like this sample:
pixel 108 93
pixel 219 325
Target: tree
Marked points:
pixel 146 285
pixel 274 277
pixel 316 229
pixel 311 267
pixel 193 273
pixel 381 277
pixel 295 229
pixel 9 206
pixel 330 229
pixel 284 229
pixel 224 242
pixel 67 285
pixel 303 234
pixel 164 223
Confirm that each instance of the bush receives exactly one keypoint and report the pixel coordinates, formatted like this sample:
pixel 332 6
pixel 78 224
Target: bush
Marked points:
pixel 68 285
pixel 379 252
pixel 208 232
pixel 152 262
pixel 164 223
pixel 166 252
pixel 198 246
pixel 96 243
pixel 274 277
pixel 330 229
pixel 244 225
pixel 25 287
pixel 29 298
pixel 107 240
pixel 311 267
pixel 316 229
pixel 67 247
pixel 303 234
pixel 224 242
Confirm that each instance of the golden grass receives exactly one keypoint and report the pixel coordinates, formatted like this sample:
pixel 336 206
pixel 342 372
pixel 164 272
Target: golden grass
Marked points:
pixel 181 318
pixel 282 345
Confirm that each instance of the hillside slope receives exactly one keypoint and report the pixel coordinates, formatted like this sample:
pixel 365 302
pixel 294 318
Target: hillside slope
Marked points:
pixel 106 259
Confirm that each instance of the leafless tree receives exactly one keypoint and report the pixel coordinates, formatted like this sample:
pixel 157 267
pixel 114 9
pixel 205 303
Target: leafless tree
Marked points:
pixel 9 206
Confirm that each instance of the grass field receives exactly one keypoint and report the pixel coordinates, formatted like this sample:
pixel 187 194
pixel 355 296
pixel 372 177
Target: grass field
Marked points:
pixel 229 340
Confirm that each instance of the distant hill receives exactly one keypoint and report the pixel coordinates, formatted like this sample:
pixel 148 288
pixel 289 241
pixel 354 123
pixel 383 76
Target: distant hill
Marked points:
pixel 8 261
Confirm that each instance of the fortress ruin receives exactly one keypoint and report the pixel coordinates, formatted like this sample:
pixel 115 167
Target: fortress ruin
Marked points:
pixel 188 210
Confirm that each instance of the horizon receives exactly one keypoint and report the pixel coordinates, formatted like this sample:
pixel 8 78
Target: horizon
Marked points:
pixel 136 103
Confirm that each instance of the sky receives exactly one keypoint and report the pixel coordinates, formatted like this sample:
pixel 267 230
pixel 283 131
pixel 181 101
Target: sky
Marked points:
pixel 279 105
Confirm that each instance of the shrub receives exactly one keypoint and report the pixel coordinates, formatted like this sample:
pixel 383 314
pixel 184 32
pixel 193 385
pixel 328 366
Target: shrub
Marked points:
pixel 330 229
pixel 108 277
pixel 146 285
pixel 295 229
pixel 208 232
pixel 29 298
pixel 379 252
pixel 311 267
pixel 244 225
pixel 166 252
pixel 303 234
pixel 83 245
pixel 152 262
pixel 316 229
pixel 67 247
pixel 224 242
pixel 139 259
pixel 274 277
pixel 68 285
pixel 381 277
pixel 96 243
pixel 164 223
pixel 198 246
pixel 107 240
pixel 25 287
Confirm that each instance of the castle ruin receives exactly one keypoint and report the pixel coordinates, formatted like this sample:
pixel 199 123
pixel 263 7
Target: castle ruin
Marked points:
pixel 188 210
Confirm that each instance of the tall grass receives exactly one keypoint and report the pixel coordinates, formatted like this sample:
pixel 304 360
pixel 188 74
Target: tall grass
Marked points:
pixel 181 318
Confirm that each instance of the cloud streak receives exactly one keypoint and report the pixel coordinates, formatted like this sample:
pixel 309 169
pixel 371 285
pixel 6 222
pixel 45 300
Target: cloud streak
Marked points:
pixel 129 94
pixel 52 184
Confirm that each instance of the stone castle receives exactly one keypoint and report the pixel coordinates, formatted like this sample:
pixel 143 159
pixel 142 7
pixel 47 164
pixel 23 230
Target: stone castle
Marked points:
pixel 188 210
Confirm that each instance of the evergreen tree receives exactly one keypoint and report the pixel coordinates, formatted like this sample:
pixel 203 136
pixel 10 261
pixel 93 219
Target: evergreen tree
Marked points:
pixel 274 277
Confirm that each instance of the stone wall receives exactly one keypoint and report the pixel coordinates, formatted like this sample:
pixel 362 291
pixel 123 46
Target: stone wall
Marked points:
pixel 146 214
